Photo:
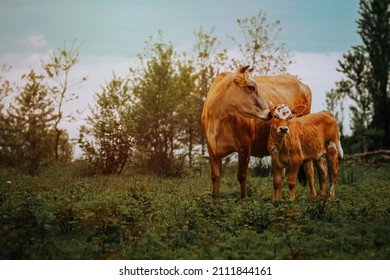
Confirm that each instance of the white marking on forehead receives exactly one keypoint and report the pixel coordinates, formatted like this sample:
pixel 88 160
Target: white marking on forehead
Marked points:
pixel 283 112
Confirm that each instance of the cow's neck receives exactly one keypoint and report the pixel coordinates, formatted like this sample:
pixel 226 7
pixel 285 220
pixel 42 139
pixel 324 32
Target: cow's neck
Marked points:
pixel 276 142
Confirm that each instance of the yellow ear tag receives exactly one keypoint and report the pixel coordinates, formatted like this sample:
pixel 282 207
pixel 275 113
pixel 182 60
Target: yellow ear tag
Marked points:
pixel 240 80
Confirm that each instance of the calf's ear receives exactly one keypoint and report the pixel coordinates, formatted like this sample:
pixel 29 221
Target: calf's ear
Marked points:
pixel 299 110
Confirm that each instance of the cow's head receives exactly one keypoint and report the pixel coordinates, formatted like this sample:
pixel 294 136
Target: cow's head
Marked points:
pixel 241 96
pixel 253 105
pixel 281 116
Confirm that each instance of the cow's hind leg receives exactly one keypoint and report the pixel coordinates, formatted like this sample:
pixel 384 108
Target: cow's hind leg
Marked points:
pixel 242 174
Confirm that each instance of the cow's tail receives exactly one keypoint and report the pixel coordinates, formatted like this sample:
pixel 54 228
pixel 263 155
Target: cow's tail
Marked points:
pixel 340 150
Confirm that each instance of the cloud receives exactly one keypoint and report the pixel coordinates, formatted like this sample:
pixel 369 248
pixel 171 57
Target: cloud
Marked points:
pixel 24 43
pixel 36 40
pixel 318 71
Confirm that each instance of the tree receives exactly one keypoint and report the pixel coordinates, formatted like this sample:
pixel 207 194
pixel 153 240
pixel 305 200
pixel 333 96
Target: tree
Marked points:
pixel 357 69
pixel 4 125
pixel 64 146
pixel 58 69
pixel 111 128
pixel 366 68
pixel 187 107
pixel 157 108
pixel 357 88
pixel 258 46
pixel 5 88
pixel 27 125
pixel 208 61
pixel 374 29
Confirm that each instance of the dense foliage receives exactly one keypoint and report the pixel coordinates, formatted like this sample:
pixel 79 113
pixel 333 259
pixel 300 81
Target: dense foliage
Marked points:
pixel 31 114
pixel 111 129
pixel 155 119
pixel 366 69
pixel 62 215
pixel 26 126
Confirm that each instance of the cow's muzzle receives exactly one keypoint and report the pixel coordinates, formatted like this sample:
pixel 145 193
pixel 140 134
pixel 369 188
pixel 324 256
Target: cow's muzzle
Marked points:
pixel 265 115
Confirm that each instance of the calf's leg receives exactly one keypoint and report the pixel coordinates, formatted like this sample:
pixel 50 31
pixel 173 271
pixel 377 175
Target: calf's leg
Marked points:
pixel 278 180
pixel 333 166
pixel 292 179
pixel 309 170
pixel 333 173
pixel 322 174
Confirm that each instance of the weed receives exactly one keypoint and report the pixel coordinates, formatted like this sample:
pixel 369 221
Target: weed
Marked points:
pixel 61 214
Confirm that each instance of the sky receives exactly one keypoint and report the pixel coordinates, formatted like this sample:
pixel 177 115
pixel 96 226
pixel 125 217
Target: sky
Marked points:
pixel 113 32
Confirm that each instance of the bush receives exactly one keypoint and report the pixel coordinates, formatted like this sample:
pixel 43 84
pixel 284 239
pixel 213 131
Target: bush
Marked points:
pixel 108 139
pixel 262 167
pixel 160 164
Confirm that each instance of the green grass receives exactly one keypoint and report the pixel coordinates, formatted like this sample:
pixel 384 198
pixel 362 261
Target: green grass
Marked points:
pixel 62 215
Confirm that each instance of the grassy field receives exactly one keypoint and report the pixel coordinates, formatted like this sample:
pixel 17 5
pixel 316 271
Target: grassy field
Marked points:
pixel 63 215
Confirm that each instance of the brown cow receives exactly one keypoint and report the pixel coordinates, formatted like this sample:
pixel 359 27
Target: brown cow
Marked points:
pixel 295 140
pixel 235 115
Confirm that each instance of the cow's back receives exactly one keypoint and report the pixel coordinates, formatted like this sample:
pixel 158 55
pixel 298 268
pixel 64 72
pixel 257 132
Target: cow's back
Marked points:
pixel 285 88
pixel 312 134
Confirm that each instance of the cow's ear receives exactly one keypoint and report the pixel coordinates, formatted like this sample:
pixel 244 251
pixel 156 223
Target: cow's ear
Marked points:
pixel 299 110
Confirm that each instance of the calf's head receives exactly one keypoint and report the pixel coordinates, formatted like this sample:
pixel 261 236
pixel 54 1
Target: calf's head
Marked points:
pixel 281 116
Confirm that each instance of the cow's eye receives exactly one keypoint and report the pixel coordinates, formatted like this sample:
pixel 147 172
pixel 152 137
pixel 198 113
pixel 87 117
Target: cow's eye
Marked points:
pixel 251 88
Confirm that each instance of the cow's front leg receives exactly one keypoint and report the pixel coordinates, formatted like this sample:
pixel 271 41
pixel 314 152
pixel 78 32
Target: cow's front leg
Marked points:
pixel 215 164
pixel 242 174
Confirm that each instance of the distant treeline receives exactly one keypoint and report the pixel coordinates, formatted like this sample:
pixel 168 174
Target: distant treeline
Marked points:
pixel 151 117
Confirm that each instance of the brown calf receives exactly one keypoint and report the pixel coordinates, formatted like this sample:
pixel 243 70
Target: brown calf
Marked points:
pixel 295 140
